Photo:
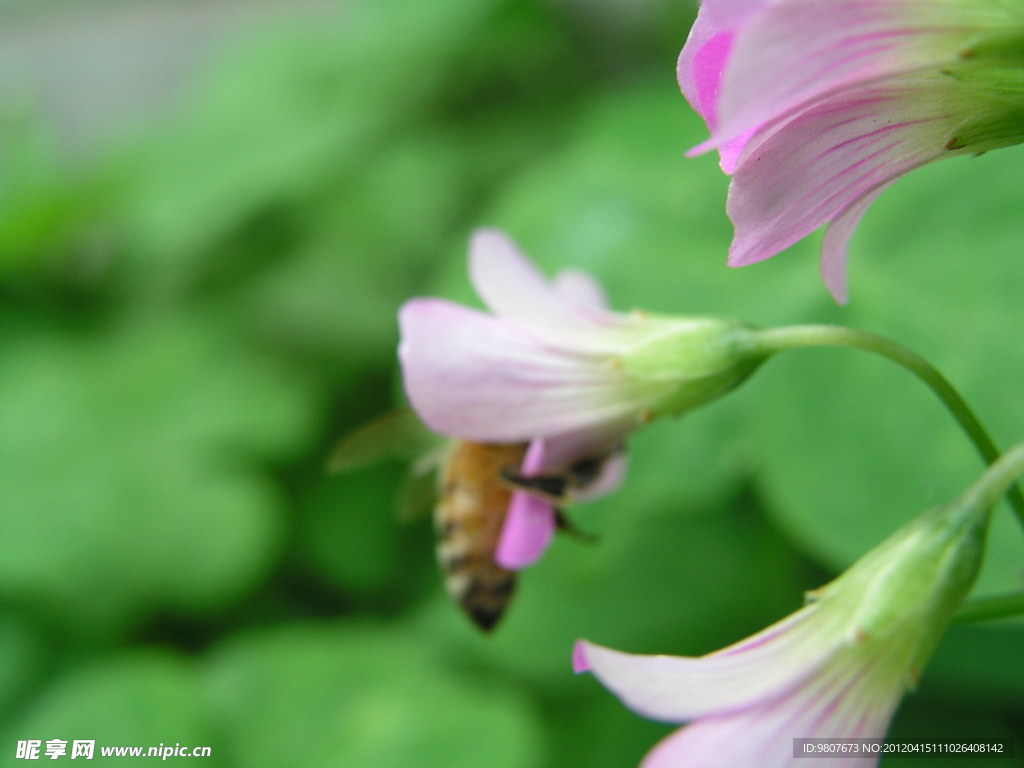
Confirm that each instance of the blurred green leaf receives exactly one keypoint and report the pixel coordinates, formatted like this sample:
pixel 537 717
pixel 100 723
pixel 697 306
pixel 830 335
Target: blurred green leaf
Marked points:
pixel 127 469
pixel 981 662
pixel 290 113
pixel 591 727
pixel 327 696
pixel 142 698
pixel 350 535
pixel 23 654
pixel 44 206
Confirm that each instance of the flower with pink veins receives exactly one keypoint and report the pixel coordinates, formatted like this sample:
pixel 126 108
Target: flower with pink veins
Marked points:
pixel 551 366
pixel 835 669
pixel 817 107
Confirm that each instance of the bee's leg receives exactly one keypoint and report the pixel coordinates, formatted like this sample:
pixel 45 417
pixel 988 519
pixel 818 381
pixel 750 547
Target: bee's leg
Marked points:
pixel 553 487
pixel 565 525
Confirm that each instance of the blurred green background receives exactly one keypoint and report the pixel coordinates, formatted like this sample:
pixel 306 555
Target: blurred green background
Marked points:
pixel 209 214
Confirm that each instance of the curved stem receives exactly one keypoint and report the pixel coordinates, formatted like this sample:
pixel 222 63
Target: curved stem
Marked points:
pixel 794 336
pixel 999 478
pixel 989 608
pixel 983 495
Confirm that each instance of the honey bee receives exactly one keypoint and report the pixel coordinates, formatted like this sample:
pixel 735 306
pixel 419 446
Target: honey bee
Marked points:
pixel 469 516
pixel 473 489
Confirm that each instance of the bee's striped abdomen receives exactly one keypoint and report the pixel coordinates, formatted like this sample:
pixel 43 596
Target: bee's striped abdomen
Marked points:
pixel 469 517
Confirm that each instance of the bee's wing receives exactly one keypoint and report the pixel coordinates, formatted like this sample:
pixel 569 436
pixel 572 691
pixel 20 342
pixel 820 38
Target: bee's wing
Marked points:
pixel 395 435
pixel 417 493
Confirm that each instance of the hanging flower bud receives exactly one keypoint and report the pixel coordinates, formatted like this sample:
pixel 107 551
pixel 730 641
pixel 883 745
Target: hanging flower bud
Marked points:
pixel 552 367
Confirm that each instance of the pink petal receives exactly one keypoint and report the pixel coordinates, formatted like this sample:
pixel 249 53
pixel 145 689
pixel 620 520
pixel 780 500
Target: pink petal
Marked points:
pixel 579 657
pixel 512 287
pixel 478 377
pixel 530 522
pixel 700 69
pixel 797 51
pixel 701 64
pixel 561 451
pixel 826 162
pixel 529 527
pixel 503 277
pixel 732 13
pixel 678 689
pixel 833 247
pixel 731 151
pixel 843 700
pixel 579 288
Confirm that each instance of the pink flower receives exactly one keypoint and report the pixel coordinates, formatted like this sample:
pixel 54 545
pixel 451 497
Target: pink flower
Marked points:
pixel 554 368
pixel 816 107
pixel 835 669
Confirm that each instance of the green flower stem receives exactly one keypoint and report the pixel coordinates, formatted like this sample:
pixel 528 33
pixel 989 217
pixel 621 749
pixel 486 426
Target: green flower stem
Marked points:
pixel 990 608
pixel 794 336
pixel 997 479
